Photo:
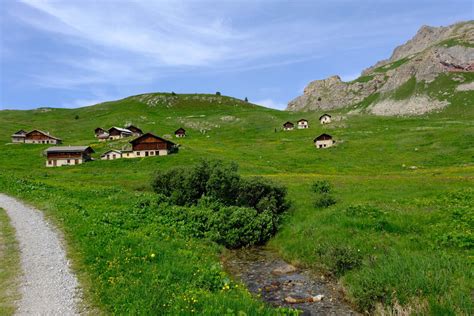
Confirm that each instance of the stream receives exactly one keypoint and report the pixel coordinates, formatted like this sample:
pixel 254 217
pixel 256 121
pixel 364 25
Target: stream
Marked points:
pixel 280 284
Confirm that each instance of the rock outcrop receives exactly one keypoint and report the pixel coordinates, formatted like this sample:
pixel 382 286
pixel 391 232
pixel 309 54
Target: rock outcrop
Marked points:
pixel 433 50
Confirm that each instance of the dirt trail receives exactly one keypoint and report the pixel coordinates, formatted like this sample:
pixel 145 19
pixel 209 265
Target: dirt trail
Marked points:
pixel 280 284
pixel 47 285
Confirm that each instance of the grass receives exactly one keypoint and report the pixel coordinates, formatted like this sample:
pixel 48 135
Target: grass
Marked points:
pixel 401 167
pixel 363 79
pixel 392 65
pixel 9 266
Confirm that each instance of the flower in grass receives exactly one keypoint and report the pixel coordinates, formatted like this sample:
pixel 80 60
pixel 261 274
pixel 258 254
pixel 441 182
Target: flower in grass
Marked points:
pixel 152 255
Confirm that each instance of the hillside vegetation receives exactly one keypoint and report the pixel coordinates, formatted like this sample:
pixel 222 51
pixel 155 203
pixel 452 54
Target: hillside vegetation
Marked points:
pixel 399 235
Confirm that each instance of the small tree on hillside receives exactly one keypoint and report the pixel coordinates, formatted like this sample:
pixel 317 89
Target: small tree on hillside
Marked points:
pixel 218 93
pixel 246 100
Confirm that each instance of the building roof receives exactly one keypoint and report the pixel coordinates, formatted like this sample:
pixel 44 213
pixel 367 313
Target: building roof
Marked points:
pixel 123 130
pixel 110 151
pixel 68 149
pixel 302 120
pixel 288 123
pixel 179 130
pixel 20 133
pixel 44 133
pixel 323 137
pixel 152 135
pixel 324 116
pixel 129 127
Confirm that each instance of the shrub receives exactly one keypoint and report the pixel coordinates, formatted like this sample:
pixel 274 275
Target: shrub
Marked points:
pixel 324 200
pixel 343 258
pixel 211 200
pixel 262 194
pixel 218 93
pixel 321 186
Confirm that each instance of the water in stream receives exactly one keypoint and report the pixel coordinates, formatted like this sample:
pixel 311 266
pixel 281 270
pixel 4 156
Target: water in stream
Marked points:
pixel 280 284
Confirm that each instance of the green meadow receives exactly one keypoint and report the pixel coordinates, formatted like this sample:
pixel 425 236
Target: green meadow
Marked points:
pixel 399 237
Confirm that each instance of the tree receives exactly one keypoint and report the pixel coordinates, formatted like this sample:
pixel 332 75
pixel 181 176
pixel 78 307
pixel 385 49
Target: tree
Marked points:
pixel 76 117
pixel 218 93
pixel 246 100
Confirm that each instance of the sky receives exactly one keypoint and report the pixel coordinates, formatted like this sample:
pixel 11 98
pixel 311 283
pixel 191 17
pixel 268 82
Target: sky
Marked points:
pixel 72 53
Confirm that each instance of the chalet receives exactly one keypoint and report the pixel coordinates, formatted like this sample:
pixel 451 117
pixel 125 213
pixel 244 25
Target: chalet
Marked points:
pixel 324 141
pixel 67 155
pixel 325 119
pixel 19 137
pixel 99 131
pixel 103 137
pixel 117 133
pixel 288 126
pixel 40 137
pixel 111 155
pixel 180 132
pixel 303 124
pixel 151 145
pixel 135 130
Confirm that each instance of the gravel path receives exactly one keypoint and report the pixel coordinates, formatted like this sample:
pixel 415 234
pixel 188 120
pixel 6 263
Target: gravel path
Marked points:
pixel 47 285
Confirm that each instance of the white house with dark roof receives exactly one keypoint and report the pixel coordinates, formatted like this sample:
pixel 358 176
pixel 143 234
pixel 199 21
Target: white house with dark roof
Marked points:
pixel 302 124
pixel 111 155
pixel 325 119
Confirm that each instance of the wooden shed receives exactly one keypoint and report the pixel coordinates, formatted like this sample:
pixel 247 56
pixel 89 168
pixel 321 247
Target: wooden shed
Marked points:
pixel 118 133
pixel 135 130
pixel 180 132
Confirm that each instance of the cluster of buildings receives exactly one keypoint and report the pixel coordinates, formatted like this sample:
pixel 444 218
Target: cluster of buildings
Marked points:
pixel 302 124
pixel 144 145
pixel 323 140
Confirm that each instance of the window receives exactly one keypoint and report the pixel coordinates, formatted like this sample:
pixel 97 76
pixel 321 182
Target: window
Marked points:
pixel 113 156
pixel 138 153
pixel 68 161
pixel 157 153
pixel 50 162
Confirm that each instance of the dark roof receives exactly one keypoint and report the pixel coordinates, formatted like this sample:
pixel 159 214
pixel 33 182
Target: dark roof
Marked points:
pixel 129 127
pixel 324 115
pixel 323 137
pixel 19 133
pixel 44 133
pixel 302 120
pixel 99 128
pixel 288 123
pixel 180 130
pixel 68 149
pixel 152 135
pixel 123 130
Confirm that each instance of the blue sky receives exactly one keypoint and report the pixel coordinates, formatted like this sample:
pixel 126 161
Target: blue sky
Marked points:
pixel 74 53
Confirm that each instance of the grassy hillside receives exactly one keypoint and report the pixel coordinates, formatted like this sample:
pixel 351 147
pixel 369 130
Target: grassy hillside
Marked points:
pixel 400 233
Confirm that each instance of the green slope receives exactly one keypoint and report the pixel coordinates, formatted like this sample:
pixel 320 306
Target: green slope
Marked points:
pixel 416 171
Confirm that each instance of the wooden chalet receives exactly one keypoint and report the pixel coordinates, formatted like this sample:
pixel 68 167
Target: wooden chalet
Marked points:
pixel 288 126
pixel 151 145
pixel 135 130
pixel 118 132
pixel 67 155
pixel 180 132
pixel 19 137
pixel 39 137
pixel 324 141
pixel 303 124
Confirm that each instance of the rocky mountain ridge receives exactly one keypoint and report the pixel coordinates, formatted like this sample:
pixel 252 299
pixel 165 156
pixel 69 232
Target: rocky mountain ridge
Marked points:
pixel 431 52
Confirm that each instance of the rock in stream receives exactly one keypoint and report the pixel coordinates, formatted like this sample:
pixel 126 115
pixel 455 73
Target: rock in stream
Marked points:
pixel 281 284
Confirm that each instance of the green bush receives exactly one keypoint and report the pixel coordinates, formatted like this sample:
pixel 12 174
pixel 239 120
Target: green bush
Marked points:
pixel 343 258
pixel 211 200
pixel 324 200
pixel 321 186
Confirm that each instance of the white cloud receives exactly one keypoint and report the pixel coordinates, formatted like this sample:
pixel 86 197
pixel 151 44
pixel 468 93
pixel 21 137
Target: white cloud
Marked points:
pixel 269 103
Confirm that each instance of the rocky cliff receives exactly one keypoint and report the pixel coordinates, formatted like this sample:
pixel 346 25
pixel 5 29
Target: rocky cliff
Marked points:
pixel 400 85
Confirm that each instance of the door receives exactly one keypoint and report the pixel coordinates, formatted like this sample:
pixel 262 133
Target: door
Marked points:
pixel 146 153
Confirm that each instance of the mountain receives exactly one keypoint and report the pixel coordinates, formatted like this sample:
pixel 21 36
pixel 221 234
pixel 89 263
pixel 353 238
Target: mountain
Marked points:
pixel 422 75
